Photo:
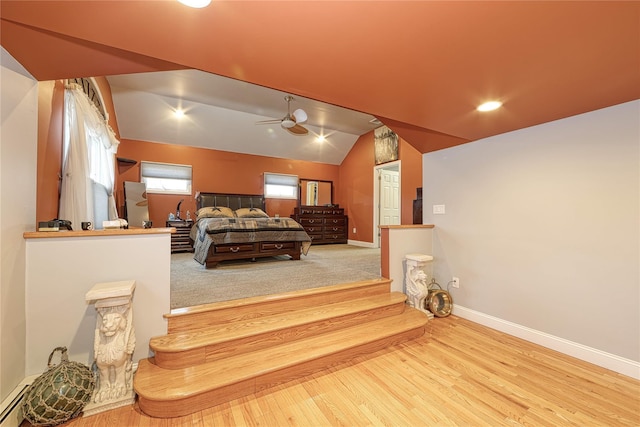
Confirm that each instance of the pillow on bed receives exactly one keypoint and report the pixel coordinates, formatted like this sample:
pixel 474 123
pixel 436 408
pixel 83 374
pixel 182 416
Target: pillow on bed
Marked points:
pixel 251 213
pixel 215 212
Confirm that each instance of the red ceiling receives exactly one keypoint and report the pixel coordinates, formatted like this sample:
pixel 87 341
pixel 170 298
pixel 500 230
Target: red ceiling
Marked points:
pixel 420 66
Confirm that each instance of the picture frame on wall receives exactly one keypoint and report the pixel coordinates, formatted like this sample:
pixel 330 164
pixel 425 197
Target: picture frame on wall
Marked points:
pixel 385 145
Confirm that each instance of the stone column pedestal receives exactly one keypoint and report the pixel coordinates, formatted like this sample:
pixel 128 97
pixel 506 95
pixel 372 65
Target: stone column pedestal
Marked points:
pixel 114 343
pixel 416 284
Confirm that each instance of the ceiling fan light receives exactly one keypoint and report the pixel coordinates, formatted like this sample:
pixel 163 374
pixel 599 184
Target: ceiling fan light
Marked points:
pixel 287 123
pixel 300 116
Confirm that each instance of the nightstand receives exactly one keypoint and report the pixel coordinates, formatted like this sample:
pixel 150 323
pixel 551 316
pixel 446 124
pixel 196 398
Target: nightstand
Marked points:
pixel 180 239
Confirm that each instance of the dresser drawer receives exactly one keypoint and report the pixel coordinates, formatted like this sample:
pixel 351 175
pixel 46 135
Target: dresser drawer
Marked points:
pixel 334 229
pixel 276 246
pixel 323 224
pixel 186 224
pixel 180 241
pixel 224 249
pixel 334 236
pixel 310 222
pixel 330 211
pixel 329 222
pixel 315 229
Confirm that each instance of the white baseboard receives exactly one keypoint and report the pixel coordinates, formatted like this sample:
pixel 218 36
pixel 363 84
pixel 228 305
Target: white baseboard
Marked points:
pixel 10 413
pixel 359 243
pixel 606 360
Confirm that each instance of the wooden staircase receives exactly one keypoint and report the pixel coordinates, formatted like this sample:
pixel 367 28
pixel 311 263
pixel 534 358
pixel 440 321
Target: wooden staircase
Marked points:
pixel 218 352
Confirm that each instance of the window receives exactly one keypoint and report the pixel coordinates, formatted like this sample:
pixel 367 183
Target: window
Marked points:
pixel 166 178
pixel 88 153
pixel 280 186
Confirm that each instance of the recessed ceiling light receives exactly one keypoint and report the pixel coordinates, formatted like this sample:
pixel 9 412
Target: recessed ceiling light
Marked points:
pixel 490 106
pixel 179 113
pixel 320 138
pixel 195 3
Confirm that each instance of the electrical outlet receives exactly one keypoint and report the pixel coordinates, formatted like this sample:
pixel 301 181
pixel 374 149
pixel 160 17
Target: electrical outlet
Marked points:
pixel 354 230
pixel 455 282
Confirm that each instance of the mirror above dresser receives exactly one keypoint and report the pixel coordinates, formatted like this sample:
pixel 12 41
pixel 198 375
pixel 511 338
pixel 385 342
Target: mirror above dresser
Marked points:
pixel 315 192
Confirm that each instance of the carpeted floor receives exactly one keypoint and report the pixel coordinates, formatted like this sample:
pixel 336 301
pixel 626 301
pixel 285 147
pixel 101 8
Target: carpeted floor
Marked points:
pixel 192 284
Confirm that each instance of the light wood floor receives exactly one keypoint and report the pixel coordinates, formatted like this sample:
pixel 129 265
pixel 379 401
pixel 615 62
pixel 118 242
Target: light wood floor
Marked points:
pixel 458 373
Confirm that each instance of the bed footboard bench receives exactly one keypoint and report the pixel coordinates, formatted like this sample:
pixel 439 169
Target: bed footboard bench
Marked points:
pixel 251 251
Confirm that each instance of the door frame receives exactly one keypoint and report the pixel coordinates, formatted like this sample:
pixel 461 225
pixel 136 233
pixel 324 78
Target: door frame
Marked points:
pixel 395 166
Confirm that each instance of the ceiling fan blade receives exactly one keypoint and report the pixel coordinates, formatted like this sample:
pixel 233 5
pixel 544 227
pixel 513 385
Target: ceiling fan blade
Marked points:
pixel 268 122
pixel 300 116
pixel 298 130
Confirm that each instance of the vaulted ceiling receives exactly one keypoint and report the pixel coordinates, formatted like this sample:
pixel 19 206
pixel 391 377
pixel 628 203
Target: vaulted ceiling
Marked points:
pixel 229 115
pixel 421 67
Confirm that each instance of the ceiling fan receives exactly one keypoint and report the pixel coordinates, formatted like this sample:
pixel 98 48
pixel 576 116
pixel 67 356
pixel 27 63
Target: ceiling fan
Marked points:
pixel 290 122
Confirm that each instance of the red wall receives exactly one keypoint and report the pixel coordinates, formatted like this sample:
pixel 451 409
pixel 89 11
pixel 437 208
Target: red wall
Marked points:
pixel 49 162
pixel 411 178
pixel 213 171
pixel 357 196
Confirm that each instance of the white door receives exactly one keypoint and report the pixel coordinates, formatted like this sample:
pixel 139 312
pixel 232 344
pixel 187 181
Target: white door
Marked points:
pixel 389 197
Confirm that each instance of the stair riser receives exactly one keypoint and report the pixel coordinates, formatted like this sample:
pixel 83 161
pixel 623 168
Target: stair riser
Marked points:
pixel 199 320
pixel 177 360
pixel 181 407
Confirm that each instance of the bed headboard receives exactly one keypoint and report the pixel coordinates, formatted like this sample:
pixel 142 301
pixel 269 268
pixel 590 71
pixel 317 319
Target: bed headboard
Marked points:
pixel 233 201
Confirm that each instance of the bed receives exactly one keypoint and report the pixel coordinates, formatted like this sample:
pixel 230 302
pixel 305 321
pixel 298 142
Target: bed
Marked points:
pixel 235 226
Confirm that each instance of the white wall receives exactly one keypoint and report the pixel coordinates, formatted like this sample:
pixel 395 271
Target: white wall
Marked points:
pixel 42 294
pixel 18 135
pixel 61 270
pixel 542 228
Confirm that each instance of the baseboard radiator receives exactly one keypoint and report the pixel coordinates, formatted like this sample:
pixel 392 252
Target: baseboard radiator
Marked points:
pixel 10 411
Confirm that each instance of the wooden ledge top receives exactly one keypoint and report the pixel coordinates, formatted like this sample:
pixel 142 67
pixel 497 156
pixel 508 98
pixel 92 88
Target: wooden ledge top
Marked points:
pixel 96 233
pixel 394 227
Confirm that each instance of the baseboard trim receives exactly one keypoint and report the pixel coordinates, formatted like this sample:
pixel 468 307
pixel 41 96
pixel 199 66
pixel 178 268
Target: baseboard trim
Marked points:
pixel 10 412
pixel 606 360
pixel 359 243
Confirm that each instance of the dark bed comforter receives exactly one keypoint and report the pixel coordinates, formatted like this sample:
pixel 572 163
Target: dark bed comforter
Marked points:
pixel 220 231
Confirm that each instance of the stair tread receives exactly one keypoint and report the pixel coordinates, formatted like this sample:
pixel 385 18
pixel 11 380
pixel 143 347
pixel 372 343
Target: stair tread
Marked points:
pixel 256 301
pixel 152 382
pixel 183 341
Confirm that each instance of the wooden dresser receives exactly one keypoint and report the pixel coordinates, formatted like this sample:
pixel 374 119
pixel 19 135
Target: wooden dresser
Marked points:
pixel 323 224
pixel 417 207
pixel 180 239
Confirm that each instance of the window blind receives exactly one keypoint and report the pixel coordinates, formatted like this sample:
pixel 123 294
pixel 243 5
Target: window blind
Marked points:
pixel 165 170
pixel 281 186
pixel 280 179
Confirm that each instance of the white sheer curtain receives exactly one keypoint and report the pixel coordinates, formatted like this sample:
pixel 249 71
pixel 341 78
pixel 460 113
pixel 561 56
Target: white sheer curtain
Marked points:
pixel 88 156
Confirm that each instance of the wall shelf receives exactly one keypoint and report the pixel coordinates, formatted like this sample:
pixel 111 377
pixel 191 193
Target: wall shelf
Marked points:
pixel 123 161
pixel 125 164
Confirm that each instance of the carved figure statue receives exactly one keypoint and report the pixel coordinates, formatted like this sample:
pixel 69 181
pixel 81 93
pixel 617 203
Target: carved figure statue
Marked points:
pixel 417 288
pixel 114 344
